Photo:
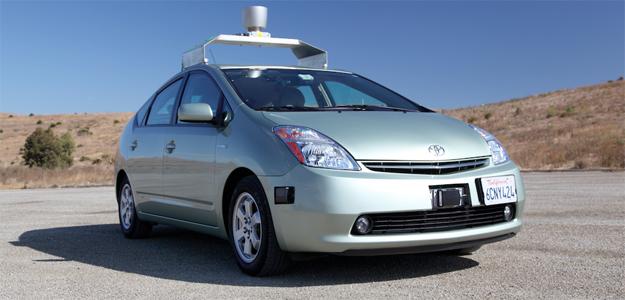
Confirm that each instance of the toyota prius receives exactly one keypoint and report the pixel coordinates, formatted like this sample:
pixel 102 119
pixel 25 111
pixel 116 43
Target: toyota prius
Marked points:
pixel 285 160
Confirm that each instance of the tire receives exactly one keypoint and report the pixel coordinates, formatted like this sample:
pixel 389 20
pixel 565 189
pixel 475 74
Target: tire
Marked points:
pixel 465 251
pixel 132 227
pixel 251 232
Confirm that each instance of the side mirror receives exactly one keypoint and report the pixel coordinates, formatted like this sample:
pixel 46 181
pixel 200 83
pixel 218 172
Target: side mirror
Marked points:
pixel 195 112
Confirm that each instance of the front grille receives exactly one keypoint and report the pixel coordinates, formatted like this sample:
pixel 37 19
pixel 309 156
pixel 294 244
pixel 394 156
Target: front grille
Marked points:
pixel 438 220
pixel 431 168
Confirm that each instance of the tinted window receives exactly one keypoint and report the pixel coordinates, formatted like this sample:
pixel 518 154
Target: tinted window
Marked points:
pixel 201 88
pixel 142 111
pixel 345 95
pixel 292 90
pixel 163 105
pixel 309 96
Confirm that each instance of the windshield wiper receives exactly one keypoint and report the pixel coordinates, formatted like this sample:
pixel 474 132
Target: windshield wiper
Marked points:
pixel 371 107
pixel 287 108
pixel 362 107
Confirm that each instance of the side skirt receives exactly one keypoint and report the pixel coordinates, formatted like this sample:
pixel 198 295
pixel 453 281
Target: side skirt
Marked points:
pixel 207 229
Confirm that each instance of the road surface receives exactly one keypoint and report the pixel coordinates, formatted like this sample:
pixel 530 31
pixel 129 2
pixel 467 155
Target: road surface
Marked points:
pixel 66 243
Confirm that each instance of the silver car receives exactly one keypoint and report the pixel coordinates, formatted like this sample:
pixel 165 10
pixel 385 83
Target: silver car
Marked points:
pixel 297 160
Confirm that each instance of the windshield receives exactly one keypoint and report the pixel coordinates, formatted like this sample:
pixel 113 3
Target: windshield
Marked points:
pixel 309 90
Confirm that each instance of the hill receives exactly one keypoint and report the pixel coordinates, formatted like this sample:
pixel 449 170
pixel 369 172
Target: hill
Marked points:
pixel 95 136
pixel 581 128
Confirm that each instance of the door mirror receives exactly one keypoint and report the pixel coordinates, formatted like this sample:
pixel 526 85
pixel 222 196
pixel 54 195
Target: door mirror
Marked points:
pixel 195 112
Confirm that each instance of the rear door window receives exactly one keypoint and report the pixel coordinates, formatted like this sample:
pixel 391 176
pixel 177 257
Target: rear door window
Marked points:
pixel 163 106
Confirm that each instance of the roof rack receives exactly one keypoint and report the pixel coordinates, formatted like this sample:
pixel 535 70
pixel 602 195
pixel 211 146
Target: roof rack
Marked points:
pixel 255 19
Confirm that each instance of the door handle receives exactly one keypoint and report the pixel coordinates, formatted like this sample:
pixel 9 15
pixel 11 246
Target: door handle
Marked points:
pixel 170 146
pixel 134 145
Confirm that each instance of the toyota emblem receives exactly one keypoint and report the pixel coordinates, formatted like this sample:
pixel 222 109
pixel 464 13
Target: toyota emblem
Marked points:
pixel 436 150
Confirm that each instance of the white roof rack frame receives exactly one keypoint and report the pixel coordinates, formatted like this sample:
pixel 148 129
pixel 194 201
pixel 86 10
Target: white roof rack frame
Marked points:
pixel 306 54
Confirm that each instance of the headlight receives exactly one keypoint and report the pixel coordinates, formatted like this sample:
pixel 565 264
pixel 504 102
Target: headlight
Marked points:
pixel 496 149
pixel 314 149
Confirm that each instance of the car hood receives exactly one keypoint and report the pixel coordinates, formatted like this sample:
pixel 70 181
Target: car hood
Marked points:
pixel 391 135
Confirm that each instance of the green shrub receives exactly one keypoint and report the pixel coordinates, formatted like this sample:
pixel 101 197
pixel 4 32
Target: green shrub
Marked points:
pixel 84 131
pixel 487 115
pixel 96 161
pixel 45 149
pixel 569 110
pixel 31 114
pixel 472 119
pixel 84 158
pixel 116 122
pixel 10 116
pixel 39 122
pixel 1 131
pixel 551 112
pixel 107 158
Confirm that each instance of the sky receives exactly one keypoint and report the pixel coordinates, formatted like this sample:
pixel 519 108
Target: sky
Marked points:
pixel 110 56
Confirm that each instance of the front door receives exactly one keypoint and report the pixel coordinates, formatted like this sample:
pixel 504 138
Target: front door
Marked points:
pixel 189 156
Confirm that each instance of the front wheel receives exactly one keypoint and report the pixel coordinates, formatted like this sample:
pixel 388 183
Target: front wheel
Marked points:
pixel 251 232
pixel 130 224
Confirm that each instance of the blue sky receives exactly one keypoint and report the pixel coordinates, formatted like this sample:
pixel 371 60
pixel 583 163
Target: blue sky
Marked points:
pixel 86 56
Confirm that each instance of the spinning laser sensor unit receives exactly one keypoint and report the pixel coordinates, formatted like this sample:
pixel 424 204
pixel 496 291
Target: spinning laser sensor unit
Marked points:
pixel 255 21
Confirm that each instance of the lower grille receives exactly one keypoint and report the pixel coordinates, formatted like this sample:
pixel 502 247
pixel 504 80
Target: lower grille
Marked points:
pixel 431 168
pixel 438 220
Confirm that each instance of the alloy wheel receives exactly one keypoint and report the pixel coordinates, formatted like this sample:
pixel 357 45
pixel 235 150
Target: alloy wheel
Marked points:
pixel 246 227
pixel 126 207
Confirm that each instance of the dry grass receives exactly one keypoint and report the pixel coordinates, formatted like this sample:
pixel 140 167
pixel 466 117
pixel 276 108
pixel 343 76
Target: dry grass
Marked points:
pixel 95 134
pixel 581 128
pixel 96 140
pixel 21 177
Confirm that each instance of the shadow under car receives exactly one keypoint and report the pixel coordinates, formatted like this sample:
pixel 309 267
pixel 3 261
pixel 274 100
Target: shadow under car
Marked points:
pixel 177 254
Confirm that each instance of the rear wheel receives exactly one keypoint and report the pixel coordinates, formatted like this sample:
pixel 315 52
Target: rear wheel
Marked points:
pixel 129 222
pixel 251 233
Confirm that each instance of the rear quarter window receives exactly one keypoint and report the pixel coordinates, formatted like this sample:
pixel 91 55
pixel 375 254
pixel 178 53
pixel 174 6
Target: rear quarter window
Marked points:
pixel 140 115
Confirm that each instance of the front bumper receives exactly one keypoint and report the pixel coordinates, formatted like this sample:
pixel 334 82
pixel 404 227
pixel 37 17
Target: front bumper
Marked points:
pixel 327 203
pixel 426 248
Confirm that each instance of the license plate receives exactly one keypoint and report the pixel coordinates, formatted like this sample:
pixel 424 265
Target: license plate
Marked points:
pixel 498 190
pixel 447 197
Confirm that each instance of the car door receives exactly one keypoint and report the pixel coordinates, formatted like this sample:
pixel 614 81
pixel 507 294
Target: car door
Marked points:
pixel 146 162
pixel 189 157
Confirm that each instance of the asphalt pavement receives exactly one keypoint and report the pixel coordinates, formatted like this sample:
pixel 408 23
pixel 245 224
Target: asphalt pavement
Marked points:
pixel 66 243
